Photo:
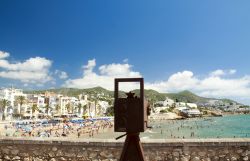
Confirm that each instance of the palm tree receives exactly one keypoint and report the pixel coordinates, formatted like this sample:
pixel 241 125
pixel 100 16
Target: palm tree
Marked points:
pixel 21 100
pixel 3 104
pixel 58 108
pixel 152 102
pixel 84 108
pixel 110 111
pixel 47 108
pixel 171 108
pixel 79 107
pixel 68 107
pixel 34 109
pixel 89 104
pixel 95 100
pixel 74 108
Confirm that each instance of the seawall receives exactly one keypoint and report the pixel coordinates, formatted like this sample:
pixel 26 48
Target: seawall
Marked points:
pixel 84 149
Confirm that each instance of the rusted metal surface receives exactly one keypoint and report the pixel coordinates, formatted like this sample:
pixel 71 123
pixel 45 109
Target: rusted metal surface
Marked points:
pixel 130 112
pixel 132 149
pixel 131 116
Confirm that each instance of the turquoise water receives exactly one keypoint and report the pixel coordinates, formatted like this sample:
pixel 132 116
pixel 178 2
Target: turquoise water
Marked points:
pixel 230 126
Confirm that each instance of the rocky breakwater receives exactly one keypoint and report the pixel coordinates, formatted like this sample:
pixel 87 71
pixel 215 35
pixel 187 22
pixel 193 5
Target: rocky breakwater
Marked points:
pixel 108 150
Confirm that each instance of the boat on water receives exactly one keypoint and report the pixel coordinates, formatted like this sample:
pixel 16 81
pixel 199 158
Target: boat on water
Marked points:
pixel 216 114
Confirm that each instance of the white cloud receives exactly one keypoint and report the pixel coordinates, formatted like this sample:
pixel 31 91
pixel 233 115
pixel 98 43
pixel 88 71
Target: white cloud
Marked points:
pixel 89 67
pixel 105 78
pixel 4 54
pixel 36 64
pixel 25 76
pixel 232 71
pixel 118 70
pixel 125 60
pixel 217 72
pixel 61 74
pixel 32 70
pixel 39 84
pixel 176 82
pixel 220 72
pixel 214 84
pixel 25 84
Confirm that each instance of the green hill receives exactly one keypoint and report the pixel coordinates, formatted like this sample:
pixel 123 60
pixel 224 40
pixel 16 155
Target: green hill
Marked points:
pixel 186 96
pixel 74 92
pixel 151 95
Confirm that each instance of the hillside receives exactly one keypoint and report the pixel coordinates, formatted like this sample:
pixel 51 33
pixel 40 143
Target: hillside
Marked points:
pixel 74 92
pixel 186 96
pixel 151 95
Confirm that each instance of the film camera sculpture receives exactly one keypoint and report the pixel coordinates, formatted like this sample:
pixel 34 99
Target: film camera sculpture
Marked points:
pixel 131 116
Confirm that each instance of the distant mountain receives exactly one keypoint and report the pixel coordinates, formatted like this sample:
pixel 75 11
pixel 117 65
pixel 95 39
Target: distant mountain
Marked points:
pixel 74 92
pixel 183 96
pixel 187 96
pixel 152 95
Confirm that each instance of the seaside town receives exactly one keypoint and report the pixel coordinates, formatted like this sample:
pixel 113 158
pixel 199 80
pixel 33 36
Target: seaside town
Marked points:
pixel 50 114
pixel 16 105
pixel 98 80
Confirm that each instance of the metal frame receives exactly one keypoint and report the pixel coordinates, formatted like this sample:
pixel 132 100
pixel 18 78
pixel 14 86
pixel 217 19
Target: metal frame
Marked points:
pixel 141 80
pixel 116 96
pixel 132 149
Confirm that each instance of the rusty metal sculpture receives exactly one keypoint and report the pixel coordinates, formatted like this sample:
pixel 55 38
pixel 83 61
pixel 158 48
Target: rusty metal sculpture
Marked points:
pixel 131 115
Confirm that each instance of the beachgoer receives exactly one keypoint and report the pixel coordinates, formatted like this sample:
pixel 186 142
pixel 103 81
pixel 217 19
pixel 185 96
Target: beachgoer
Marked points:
pixel 78 134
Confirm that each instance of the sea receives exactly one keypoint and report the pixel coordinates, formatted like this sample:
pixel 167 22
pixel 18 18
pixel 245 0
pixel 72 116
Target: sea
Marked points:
pixel 229 126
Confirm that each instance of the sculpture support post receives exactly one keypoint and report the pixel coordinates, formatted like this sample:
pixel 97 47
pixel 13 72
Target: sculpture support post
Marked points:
pixel 132 149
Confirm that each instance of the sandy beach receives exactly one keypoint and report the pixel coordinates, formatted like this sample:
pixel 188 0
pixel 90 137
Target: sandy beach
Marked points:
pixel 165 116
pixel 87 129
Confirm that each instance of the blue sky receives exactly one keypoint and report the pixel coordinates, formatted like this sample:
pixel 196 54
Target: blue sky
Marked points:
pixel 202 46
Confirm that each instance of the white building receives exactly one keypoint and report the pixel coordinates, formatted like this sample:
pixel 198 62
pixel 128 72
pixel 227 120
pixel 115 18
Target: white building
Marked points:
pixel 91 109
pixel 37 100
pixel 181 104
pixel 10 94
pixel 83 97
pixel 97 108
pixel 159 109
pixel 103 106
pixel 63 101
pixel 168 102
pixel 83 103
pixel 193 113
pixel 192 105
pixel 182 108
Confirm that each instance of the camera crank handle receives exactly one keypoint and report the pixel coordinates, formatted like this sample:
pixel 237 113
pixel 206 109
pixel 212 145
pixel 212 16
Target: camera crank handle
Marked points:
pixel 119 137
pixel 149 127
